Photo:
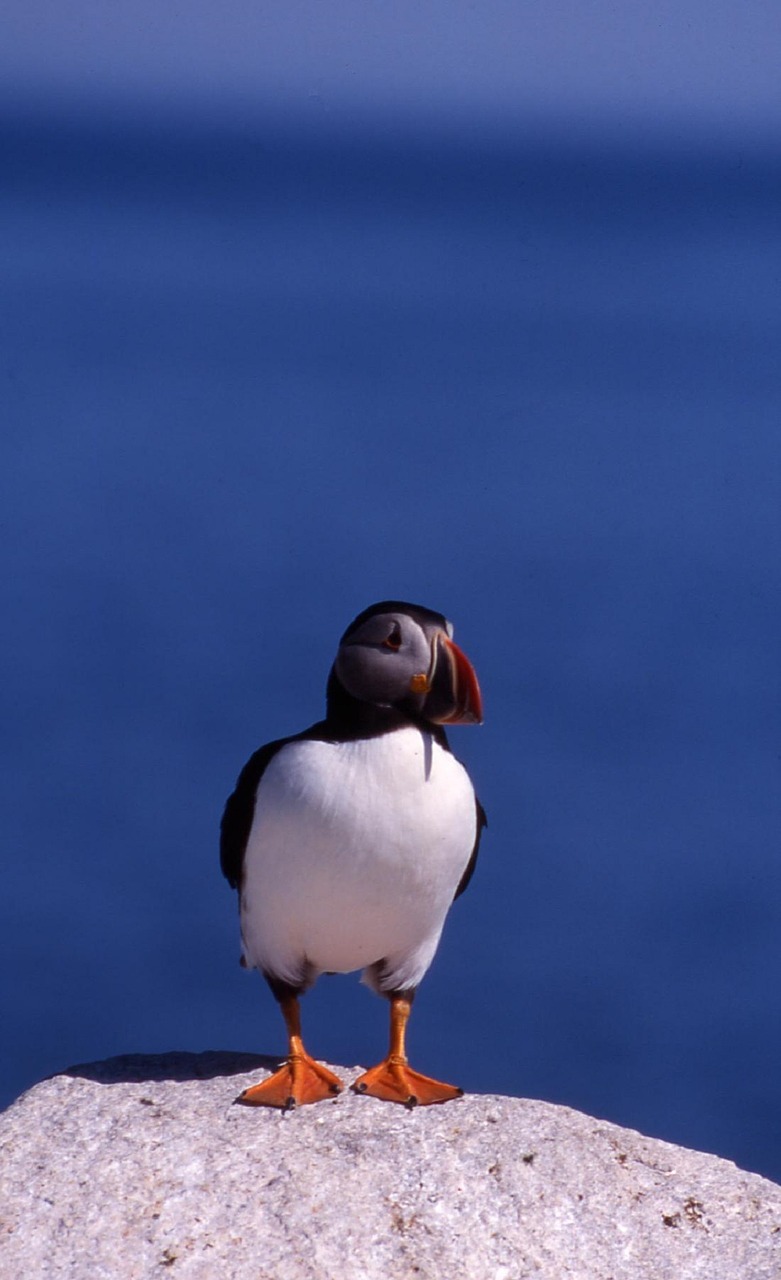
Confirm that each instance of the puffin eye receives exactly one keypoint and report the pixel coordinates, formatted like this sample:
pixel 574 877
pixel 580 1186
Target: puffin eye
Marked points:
pixel 393 641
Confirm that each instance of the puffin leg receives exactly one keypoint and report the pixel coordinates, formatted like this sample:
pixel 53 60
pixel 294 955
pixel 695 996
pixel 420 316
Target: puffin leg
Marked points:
pixel 300 1079
pixel 392 1079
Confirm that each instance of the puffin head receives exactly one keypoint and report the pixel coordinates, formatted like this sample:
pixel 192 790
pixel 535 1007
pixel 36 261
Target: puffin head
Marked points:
pixel 402 656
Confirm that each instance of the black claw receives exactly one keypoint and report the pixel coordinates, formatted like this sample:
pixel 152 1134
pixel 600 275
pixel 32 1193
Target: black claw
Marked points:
pixel 290 1104
pixel 411 1102
pixel 359 1088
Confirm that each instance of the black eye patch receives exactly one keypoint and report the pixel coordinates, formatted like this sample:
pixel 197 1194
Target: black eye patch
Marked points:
pixel 393 641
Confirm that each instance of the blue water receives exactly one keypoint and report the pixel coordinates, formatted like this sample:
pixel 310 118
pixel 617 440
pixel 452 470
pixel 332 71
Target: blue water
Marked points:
pixel 252 380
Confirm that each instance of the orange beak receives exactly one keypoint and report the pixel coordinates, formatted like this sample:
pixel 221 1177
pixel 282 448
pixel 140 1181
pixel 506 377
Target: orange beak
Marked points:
pixel 454 695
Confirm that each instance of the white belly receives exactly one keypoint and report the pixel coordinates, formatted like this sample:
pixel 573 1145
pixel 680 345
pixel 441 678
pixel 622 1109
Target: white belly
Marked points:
pixel 354 856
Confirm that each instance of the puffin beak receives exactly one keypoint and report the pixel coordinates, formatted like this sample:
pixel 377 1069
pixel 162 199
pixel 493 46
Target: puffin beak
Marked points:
pixel 453 694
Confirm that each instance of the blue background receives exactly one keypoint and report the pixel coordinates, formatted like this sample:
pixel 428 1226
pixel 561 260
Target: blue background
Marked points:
pixel 258 374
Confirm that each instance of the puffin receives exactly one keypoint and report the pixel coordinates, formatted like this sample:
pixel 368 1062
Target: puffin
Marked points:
pixel 349 841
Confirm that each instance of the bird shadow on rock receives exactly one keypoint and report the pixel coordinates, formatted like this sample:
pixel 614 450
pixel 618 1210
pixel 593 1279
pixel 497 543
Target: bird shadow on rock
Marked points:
pixel 137 1068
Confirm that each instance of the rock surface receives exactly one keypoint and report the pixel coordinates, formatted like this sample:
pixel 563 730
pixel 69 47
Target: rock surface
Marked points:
pixel 141 1167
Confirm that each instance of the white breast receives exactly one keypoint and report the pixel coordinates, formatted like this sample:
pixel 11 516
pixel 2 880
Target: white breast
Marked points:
pixel 354 856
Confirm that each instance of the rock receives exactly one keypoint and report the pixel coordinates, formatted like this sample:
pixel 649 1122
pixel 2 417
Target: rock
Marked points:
pixel 141 1167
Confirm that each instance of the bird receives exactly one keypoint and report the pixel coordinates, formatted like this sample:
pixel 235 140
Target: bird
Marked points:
pixel 349 841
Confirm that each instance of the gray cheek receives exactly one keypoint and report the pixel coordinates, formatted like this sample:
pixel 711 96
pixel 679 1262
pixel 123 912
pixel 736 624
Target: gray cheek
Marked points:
pixel 369 674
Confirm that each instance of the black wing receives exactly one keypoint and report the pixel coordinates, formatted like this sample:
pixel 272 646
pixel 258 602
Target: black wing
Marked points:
pixel 240 810
pixel 240 807
pixel 482 821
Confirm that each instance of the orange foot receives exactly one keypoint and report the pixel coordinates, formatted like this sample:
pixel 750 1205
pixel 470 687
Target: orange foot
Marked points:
pixel 299 1080
pixel 394 1081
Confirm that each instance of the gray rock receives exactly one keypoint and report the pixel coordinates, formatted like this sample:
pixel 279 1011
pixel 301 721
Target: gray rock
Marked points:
pixel 141 1167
